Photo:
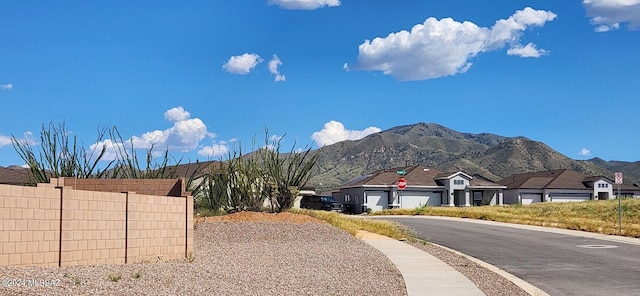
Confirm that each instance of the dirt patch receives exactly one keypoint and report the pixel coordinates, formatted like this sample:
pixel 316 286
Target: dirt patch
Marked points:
pixel 261 217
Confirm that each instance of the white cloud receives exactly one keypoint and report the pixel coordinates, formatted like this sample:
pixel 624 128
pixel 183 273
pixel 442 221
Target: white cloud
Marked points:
pixel 185 135
pixel 273 141
pixel 8 86
pixel 176 114
pixel 4 141
pixel 215 150
pixel 274 63
pixel 607 28
pixel 607 15
pixel 111 152
pixel 438 48
pixel 275 138
pixel 304 4
pixel 584 152
pixel 335 131
pixel 26 139
pixel 528 51
pixel 242 64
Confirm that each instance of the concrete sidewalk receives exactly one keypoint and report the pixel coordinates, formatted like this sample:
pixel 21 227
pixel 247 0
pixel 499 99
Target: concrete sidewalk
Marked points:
pixel 423 274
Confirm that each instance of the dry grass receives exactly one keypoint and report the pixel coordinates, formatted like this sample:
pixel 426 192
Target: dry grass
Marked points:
pixel 353 224
pixel 592 216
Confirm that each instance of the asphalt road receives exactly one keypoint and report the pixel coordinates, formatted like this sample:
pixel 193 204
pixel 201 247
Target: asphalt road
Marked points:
pixel 556 263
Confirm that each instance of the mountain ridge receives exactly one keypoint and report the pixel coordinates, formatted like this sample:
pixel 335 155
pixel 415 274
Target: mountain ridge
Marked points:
pixel 429 144
pixel 433 145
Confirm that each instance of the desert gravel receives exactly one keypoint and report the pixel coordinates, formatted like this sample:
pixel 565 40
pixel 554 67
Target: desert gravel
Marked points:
pixel 236 258
pixel 253 254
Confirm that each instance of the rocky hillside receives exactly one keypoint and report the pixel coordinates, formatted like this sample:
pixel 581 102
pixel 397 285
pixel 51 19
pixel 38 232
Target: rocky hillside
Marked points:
pixel 631 170
pixel 433 145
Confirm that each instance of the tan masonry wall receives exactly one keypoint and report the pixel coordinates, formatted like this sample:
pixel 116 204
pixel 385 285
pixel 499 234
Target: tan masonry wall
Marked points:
pixel 92 228
pixel 160 187
pixel 30 225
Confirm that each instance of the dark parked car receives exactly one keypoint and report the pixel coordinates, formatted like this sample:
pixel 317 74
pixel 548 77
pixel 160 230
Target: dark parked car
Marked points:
pixel 318 202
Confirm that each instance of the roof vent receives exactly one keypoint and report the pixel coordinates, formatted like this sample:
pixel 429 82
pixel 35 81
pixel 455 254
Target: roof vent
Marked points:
pixel 425 170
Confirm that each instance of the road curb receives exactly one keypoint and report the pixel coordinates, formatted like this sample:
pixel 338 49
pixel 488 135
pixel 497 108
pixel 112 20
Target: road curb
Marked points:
pixel 420 270
pixel 524 285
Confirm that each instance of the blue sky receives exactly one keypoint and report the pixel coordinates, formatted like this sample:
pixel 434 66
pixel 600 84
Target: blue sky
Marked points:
pixel 201 76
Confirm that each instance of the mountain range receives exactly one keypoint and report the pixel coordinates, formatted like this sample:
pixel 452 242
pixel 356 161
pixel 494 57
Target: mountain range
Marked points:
pixel 432 145
pixel 429 144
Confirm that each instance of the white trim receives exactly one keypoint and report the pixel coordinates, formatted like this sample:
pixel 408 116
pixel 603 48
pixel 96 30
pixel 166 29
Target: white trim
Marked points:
pixel 487 187
pixel 455 174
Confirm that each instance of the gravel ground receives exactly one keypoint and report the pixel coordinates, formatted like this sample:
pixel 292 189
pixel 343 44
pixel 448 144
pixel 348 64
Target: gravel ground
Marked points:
pixel 236 258
pixel 253 254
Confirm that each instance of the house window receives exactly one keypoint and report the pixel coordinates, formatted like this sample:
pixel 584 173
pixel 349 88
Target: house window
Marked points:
pixel 458 182
pixel 347 198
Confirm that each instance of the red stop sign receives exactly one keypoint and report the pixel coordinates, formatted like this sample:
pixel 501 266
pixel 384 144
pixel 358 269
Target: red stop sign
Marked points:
pixel 402 183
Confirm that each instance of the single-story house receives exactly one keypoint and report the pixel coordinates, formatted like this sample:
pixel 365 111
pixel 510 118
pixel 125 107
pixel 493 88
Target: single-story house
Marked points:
pixel 627 190
pixel 560 186
pixel 425 186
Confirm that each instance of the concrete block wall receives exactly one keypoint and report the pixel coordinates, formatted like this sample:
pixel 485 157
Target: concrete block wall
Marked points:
pixel 159 187
pixel 29 226
pixel 156 228
pixel 91 227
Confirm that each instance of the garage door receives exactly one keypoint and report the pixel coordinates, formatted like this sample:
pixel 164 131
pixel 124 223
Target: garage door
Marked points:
pixel 377 200
pixel 569 197
pixel 413 199
pixel 529 198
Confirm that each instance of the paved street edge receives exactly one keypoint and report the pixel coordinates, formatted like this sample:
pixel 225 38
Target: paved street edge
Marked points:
pixel 527 287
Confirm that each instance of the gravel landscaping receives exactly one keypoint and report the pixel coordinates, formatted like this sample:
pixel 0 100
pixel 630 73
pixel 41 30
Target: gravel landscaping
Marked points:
pixel 293 255
pixel 252 254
